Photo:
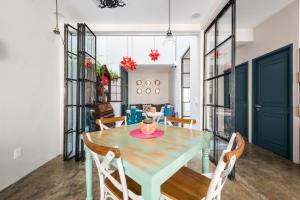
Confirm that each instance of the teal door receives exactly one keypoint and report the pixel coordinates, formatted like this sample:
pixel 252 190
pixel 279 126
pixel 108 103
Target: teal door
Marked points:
pixel 241 99
pixel 272 101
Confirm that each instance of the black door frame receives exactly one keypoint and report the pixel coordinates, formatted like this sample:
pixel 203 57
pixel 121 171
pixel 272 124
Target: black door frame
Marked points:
pixel 247 81
pixel 288 48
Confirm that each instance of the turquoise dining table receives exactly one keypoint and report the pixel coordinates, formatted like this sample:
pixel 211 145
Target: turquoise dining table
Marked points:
pixel 150 162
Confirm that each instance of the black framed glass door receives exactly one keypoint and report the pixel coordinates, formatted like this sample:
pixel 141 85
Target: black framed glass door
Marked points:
pixel 87 84
pixel 71 92
pixel 219 79
pixel 80 88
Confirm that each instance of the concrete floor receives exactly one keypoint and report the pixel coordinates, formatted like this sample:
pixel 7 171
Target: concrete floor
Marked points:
pixel 260 175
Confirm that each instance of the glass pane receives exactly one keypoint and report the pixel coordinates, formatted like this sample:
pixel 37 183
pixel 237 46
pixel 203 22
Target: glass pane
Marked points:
pixel 186 109
pixel 90 93
pixel 72 66
pixel 119 97
pixel 209 118
pixel 72 92
pixel 186 80
pixel 186 95
pixel 223 116
pixel 224 26
pixel 90 41
pixel 209 89
pixel 186 66
pixel 90 120
pixel 210 39
pixel 72 41
pixel 210 65
pixel 224 57
pixel 89 65
pixel 113 89
pixel 71 119
pixel 223 90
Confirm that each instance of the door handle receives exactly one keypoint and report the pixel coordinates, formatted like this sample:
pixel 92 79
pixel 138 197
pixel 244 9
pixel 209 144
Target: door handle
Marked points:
pixel 258 107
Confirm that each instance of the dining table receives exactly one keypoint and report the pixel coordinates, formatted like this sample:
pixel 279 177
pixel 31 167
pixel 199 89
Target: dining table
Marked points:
pixel 150 162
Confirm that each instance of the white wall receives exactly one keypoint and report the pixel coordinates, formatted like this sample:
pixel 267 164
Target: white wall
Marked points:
pixel 279 30
pixel 30 80
pixel 182 45
pixel 152 74
pixel 111 49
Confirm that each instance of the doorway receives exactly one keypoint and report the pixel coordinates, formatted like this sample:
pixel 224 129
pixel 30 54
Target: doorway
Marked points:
pixel 272 101
pixel 185 86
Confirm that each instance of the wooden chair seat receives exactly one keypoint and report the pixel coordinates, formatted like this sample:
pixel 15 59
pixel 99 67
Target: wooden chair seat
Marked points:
pixel 131 185
pixel 186 184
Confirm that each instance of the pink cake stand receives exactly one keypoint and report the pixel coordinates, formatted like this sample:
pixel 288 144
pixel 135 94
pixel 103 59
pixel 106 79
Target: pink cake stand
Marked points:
pixel 137 133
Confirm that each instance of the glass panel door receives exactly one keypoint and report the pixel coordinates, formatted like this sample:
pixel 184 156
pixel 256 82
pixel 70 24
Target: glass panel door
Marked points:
pixel 87 82
pixel 219 93
pixel 71 92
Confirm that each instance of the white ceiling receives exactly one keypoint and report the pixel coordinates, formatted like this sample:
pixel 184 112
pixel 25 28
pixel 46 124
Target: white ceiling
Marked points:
pixel 249 12
pixel 137 11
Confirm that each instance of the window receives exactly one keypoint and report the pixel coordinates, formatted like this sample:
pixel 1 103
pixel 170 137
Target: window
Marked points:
pixel 116 90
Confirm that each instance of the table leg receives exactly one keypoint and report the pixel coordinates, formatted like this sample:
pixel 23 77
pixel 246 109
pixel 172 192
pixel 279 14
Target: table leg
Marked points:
pixel 151 191
pixel 88 174
pixel 205 160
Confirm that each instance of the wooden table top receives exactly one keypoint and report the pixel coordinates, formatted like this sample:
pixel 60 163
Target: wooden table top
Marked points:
pixel 148 157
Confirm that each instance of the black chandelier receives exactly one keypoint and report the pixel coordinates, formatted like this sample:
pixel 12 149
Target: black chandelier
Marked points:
pixel 111 3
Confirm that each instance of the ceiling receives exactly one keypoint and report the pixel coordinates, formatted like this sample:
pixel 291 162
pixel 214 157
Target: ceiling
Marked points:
pixel 137 11
pixel 249 12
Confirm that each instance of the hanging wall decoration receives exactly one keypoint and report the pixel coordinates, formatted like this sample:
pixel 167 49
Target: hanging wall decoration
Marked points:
pixel 128 63
pixel 154 54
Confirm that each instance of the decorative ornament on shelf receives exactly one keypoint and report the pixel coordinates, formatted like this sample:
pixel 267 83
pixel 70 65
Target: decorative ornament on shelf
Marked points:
pixel 154 54
pixel 110 3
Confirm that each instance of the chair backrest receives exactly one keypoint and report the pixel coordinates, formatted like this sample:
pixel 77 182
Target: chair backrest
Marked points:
pixel 225 166
pixel 170 120
pixel 110 154
pixel 117 120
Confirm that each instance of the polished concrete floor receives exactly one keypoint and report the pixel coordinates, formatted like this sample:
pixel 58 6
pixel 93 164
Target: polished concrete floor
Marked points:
pixel 260 175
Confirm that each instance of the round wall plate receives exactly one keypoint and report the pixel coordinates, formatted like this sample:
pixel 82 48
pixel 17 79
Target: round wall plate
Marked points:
pixel 148 82
pixel 157 90
pixel 157 82
pixel 139 82
pixel 139 91
pixel 148 90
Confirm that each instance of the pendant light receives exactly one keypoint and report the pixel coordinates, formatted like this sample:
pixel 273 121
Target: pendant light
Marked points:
pixel 56 29
pixel 169 35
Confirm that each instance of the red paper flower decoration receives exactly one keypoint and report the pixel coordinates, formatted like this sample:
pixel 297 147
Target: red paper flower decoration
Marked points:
pixel 154 54
pixel 105 80
pixel 128 63
pixel 88 63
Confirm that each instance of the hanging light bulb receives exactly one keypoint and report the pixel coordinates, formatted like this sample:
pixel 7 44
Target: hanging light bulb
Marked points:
pixel 169 35
pixel 56 30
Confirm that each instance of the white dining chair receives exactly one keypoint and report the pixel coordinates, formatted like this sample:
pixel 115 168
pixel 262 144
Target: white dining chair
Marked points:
pixel 113 184
pixel 187 184
pixel 117 120
pixel 170 120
